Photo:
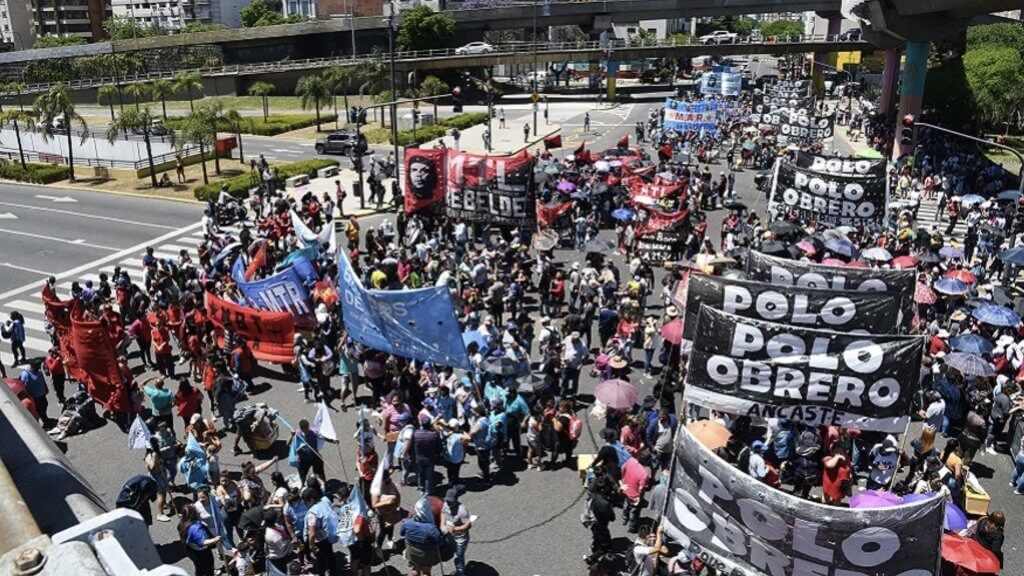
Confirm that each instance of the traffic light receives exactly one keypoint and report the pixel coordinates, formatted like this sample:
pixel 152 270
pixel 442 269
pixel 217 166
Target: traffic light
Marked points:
pixel 907 130
pixel 361 116
pixel 456 99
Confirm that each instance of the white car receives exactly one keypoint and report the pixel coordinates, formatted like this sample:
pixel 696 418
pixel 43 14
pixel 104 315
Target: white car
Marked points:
pixel 719 37
pixel 475 48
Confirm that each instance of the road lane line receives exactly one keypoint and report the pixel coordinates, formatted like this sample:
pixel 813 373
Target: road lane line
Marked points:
pixel 76 242
pixel 140 247
pixel 24 269
pixel 89 216
pixel 26 306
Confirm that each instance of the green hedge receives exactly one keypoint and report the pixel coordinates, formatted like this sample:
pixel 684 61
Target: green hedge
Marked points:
pixel 427 133
pixel 33 172
pixel 274 124
pixel 239 185
pixel 463 121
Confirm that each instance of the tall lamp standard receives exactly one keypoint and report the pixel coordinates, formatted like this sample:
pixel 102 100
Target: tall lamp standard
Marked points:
pixel 394 94
pixel 534 95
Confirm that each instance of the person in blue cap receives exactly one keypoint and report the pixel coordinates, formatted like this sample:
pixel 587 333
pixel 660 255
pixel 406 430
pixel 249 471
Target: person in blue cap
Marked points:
pixel 756 466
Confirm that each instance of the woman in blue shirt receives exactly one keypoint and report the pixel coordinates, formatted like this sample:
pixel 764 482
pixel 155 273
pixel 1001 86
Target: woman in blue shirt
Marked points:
pixel 198 541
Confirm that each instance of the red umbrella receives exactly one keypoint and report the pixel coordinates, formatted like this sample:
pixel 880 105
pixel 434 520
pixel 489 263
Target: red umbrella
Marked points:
pixel 617 394
pixel 833 262
pixel 969 554
pixel 962 275
pixel 905 262
pixel 923 294
pixel 672 331
pixel 858 264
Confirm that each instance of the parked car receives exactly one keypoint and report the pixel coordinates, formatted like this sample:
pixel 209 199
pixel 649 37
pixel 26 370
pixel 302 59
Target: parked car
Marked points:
pixel 341 142
pixel 719 37
pixel 157 128
pixel 851 35
pixel 475 48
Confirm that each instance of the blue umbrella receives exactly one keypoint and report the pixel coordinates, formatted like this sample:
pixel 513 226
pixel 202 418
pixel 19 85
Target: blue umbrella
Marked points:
pixel 475 336
pixel 969 199
pixel 1013 256
pixel 951 287
pixel 948 252
pixel 971 343
pixel 970 364
pixel 579 194
pixel 955 520
pixel 841 247
pixel 623 214
pixel 1009 195
pixel 996 315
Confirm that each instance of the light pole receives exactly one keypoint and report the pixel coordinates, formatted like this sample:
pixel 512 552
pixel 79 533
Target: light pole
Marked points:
pixel 394 93
pixel 534 95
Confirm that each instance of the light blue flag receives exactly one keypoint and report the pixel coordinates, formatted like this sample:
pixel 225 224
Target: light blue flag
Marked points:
pixel 353 512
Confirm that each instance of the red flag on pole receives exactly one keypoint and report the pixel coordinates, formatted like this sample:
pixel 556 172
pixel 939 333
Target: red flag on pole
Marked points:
pixel 624 141
pixel 553 141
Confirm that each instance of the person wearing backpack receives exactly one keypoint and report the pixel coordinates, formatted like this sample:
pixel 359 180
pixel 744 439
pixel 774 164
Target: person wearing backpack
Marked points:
pixel 483 440
pixel 321 532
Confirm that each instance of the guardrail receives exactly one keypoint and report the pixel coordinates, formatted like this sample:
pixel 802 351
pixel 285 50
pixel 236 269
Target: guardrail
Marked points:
pixel 453 53
pixel 60 159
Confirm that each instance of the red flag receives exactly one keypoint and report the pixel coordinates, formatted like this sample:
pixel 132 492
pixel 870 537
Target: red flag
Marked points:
pixel 258 261
pixel 324 291
pixel 97 359
pixel 269 334
pixel 547 213
pixel 553 141
pixel 58 314
pixel 665 153
pixel 658 220
pixel 582 155
pixel 624 141
pixel 426 171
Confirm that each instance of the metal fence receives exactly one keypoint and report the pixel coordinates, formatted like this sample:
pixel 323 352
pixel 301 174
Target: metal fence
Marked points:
pixel 59 159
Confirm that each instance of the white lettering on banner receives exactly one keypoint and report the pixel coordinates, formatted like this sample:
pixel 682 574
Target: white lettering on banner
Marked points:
pixel 848 166
pixel 774 306
pixel 781 276
pixel 283 297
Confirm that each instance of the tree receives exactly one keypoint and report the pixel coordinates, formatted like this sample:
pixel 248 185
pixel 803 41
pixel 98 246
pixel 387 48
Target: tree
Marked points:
pixel 108 93
pixel 263 90
pixel 18 88
pixel 57 41
pixel 137 120
pixel 199 128
pixel 999 35
pixel 370 77
pixel 188 82
pixel 995 77
pixel 263 13
pixel 138 91
pixel 193 27
pixel 127 29
pixel 56 103
pixel 162 88
pixel 313 91
pixel 423 29
pixel 233 118
pixel 433 86
pixel 744 25
pixel 783 28
pixel 340 80
pixel 13 117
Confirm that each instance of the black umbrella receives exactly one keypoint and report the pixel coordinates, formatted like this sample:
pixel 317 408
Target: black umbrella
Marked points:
pixel 600 188
pixel 929 257
pixel 784 228
pixel 502 366
pixel 733 204
pixel 775 248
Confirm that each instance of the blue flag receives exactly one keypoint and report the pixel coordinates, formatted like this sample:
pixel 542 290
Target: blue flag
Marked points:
pixel 194 466
pixel 219 526
pixel 352 513
pixel 285 291
pixel 418 324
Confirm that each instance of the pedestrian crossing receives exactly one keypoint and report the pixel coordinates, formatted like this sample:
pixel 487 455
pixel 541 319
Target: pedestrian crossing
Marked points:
pixel 926 216
pixel 29 303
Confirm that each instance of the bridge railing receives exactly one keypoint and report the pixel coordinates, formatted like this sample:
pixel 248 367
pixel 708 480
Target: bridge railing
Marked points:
pixel 452 53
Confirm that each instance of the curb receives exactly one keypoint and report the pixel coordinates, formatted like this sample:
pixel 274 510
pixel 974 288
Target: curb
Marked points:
pixel 62 186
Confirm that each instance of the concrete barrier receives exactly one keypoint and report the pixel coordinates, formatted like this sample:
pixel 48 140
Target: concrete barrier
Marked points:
pixel 327 172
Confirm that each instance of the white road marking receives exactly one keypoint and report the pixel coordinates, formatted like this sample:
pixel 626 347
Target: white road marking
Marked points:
pixel 26 306
pixel 79 241
pixel 25 269
pixel 89 216
pixel 60 199
pixel 8 216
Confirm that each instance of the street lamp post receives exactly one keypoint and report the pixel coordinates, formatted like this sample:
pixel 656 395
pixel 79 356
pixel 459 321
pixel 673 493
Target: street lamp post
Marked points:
pixel 394 93
pixel 534 95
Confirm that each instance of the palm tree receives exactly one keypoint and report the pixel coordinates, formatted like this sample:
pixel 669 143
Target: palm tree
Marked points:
pixel 138 91
pixel 162 88
pixel 55 103
pixel 313 90
pixel 135 120
pixel 371 78
pixel 107 92
pixel 188 82
pixel 15 116
pixel 263 90
pixel 232 118
pixel 340 79
pixel 18 88
pixel 196 130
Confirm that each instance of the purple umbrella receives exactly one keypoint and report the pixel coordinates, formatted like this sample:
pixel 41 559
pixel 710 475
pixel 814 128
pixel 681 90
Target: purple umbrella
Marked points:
pixel 949 253
pixel 955 520
pixel 566 186
pixel 875 499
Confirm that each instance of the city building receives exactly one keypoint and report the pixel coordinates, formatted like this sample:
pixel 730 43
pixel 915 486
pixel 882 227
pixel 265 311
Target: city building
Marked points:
pixel 82 18
pixel 304 8
pixel 342 8
pixel 165 15
pixel 659 29
pixel 16 30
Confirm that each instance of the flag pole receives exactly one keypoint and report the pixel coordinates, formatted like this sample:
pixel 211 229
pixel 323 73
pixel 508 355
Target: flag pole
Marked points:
pixel 301 438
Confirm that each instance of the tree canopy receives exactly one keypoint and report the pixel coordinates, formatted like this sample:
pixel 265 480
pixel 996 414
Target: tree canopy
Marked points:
pixel 783 28
pixel 995 75
pixel 263 13
pixel 57 41
pixel 1000 35
pixel 424 29
pixel 127 29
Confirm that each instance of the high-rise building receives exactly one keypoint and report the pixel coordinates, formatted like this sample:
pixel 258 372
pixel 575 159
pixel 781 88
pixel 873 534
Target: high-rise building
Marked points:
pixel 16 29
pixel 164 15
pixel 82 18
pixel 302 8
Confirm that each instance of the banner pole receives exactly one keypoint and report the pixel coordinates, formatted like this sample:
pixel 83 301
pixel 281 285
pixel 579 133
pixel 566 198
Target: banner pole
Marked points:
pixel 775 185
pixel 899 457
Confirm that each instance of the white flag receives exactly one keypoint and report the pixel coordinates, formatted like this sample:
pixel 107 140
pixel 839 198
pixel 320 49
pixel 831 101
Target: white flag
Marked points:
pixel 322 424
pixel 138 434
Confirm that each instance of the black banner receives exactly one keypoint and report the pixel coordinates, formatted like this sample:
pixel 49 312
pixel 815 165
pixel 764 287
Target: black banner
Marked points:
pixel 846 166
pixel 743 527
pixel 767 102
pixel 818 377
pixel 664 245
pixel 836 200
pixel 493 189
pixel 845 310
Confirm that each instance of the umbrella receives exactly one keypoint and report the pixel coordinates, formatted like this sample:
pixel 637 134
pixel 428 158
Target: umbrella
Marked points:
pixel 545 240
pixel 552 169
pixel 734 274
pixel 672 331
pixel 965 276
pixel 748 145
pixel 833 262
pixel 990 229
pixel 841 247
pixel 969 364
pixel 773 248
pixel 598 246
pixel 784 227
pixel 566 186
pixel 955 520
pixel 996 315
pixel 949 253
pixel 970 199
pixel 875 499
pixel 475 336
pixel 601 166
pixel 1013 256
pixel 714 260
pixel 623 214
pixel 879 254
pixel 929 257
pixel 600 188
pixel 951 287
pixel 969 554
pixel 807 246
pixel 924 295
pixel 227 251
pixel 905 262
pixel 502 366
pixel 617 394
pixel 1009 195
pixel 733 204
pixel 709 433
pixel 971 343
pixel 858 264
pixel 580 194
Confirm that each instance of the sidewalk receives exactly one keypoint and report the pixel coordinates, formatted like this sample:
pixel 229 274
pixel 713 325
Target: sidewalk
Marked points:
pixel 504 141
pixel 859 147
pixel 347 177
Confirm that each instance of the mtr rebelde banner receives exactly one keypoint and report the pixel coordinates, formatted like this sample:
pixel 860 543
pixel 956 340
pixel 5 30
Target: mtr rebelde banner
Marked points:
pixel 425 173
pixel 740 526
pixel 833 199
pixel 818 377
pixel 845 310
pixel 660 236
pixel 493 189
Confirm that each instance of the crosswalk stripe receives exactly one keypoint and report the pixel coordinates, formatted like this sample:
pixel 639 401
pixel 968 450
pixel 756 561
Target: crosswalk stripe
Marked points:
pixel 26 306
pixel 37 344
pixel 191 240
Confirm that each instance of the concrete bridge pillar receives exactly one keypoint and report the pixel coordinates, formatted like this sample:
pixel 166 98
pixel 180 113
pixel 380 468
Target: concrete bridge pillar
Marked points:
pixel 890 79
pixel 825 60
pixel 915 70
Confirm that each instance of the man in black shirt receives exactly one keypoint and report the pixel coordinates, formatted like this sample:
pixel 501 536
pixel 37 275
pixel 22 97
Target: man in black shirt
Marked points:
pixel 603 515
